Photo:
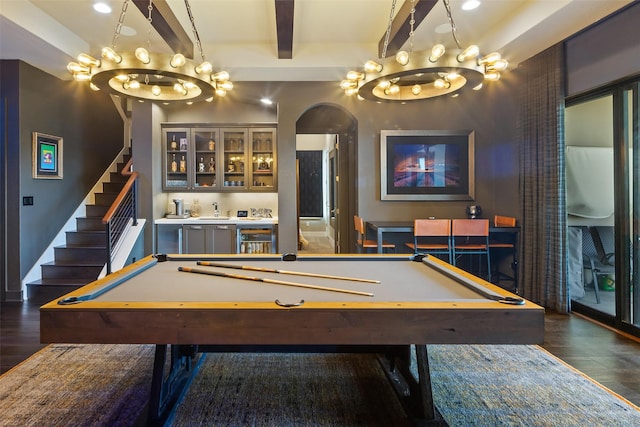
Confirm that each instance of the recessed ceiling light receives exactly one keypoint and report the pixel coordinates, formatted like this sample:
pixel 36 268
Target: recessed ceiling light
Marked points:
pixel 266 101
pixel 470 4
pixel 102 7
pixel 443 28
pixel 125 30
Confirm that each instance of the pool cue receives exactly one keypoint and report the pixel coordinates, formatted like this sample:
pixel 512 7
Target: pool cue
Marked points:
pixel 276 282
pixel 273 270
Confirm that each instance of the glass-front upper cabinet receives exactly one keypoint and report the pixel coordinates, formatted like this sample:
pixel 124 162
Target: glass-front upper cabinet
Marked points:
pixel 263 159
pixel 204 158
pixel 176 165
pixel 234 158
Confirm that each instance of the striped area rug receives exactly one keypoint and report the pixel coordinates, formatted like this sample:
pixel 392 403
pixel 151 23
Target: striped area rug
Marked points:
pixel 106 385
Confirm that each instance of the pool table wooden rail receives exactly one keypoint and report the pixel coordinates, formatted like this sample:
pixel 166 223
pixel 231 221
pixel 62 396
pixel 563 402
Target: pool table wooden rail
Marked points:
pixel 312 323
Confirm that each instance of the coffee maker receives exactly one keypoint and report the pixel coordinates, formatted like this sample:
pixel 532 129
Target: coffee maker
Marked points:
pixel 179 206
pixel 474 211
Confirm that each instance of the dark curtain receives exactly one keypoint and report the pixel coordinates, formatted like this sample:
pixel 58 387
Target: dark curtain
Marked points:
pixel 542 180
pixel 310 183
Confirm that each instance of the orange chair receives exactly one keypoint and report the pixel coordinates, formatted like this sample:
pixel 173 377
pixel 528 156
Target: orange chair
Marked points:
pixel 431 236
pixel 362 243
pixel 505 221
pixel 470 237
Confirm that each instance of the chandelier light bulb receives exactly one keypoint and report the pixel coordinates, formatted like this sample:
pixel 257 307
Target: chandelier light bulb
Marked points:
pixel 394 89
pixel 436 52
pixel 416 89
pixel 111 55
pixel 180 89
pixel 210 99
pixel 82 77
pixel 478 87
pixel 372 67
pixel 492 76
pixel 74 67
pixel 384 84
pixel 88 60
pixel 220 76
pixel 155 89
pixel 351 91
pixel 143 55
pixel 205 68
pixel 355 75
pixel 490 58
pixel 221 92
pixel 188 85
pixel 500 65
pixel 402 57
pixel 440 84
pixel 348 84
pixel 178 60
pixel 470 52
pixel 131 84
pixel 226 85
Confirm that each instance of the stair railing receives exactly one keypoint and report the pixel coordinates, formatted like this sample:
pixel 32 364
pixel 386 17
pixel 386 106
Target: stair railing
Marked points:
pixel 122 212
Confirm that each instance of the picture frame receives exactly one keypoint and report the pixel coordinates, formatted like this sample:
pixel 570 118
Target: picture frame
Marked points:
pixel 419 165
pixel 47 156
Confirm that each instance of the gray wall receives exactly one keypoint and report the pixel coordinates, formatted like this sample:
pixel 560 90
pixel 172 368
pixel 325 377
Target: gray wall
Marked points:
pixel 491 113
pixel 92 134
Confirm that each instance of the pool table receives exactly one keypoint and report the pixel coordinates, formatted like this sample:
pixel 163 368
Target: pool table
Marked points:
pixel 388 304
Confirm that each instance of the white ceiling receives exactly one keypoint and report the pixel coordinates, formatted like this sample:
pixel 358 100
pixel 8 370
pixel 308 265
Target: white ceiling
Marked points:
pixel 330 36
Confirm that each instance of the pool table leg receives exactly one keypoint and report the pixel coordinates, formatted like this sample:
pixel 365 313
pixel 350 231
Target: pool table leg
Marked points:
pixel 415 393
pixel 166 391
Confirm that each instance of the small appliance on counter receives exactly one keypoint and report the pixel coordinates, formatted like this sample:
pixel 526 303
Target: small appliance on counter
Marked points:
pixel 179 212
pixel 474 211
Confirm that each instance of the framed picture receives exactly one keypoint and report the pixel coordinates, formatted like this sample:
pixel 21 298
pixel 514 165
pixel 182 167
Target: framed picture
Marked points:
pixel 47 156
pixel 427 165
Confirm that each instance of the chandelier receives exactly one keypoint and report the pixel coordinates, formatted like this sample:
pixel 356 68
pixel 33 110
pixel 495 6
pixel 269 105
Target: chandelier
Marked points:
pixel 146 75
pixel 413 76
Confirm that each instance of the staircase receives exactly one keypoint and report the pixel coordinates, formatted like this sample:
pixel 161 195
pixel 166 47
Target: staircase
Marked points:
pixel 82 258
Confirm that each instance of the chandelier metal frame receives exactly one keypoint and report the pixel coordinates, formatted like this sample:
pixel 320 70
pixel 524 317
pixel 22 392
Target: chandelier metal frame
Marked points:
pixel 146 75
pixel 414 76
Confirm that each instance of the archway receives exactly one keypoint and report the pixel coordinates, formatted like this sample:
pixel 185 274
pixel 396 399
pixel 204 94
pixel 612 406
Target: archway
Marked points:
pixel 329 119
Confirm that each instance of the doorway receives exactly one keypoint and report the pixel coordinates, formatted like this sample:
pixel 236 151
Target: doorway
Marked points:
pixel 337 129
pixel 315 154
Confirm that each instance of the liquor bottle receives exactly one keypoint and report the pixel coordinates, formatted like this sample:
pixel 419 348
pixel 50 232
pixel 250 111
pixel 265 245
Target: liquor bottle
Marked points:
pixel 174 143
pixel 211 165
pixel 201 165
pixel 174 165
pixel 183 164
pixel 212 144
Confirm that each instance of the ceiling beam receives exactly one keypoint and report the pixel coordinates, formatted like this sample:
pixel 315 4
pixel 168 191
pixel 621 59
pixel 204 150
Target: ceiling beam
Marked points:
pixel 401 25
pixel 167 25
pixel 284 24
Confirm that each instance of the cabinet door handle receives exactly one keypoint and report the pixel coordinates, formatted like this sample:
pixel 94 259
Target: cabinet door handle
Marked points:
pixel 195 227
pixel 222 227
